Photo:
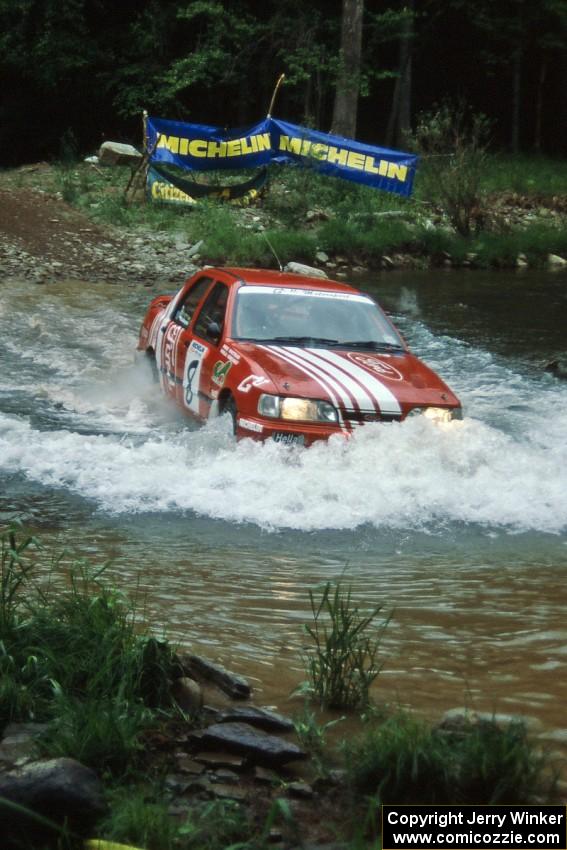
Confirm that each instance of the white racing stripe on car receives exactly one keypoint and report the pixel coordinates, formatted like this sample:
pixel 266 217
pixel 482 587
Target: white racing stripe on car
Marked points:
pixel 339 396
pixel 299 358
pixel 324 383
pixel 385 398
pixel 358 393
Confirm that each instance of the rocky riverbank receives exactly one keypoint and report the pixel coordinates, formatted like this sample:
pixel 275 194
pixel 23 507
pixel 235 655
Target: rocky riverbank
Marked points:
pixel 42 238
pixel 73 223
pixel 214 750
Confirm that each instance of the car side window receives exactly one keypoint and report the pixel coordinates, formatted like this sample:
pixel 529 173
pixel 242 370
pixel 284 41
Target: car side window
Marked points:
pixel 213 310
pixel 184 313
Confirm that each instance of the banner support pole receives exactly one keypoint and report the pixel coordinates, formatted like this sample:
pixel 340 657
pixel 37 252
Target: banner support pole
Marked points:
pixel 145 131
pixel 281 78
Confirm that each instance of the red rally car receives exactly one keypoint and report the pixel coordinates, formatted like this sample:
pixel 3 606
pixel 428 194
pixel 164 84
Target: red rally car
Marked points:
pixel 290 358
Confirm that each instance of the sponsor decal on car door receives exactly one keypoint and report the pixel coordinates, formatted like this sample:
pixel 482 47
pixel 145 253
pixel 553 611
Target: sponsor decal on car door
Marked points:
pixel 166 354
pixel 196 352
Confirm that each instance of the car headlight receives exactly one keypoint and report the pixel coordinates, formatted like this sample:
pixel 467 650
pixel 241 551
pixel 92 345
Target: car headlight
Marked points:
pixel 438 414
pixel 296 409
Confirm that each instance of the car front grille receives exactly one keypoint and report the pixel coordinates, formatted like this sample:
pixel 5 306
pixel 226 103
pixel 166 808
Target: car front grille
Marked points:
pixel 363 416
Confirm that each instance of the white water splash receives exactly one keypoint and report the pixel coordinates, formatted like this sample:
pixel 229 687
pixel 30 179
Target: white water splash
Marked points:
pixel 410 476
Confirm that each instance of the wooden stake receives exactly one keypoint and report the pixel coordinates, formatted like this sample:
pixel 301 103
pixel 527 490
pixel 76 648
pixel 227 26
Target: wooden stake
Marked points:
pixel 145 130
pixel 276 90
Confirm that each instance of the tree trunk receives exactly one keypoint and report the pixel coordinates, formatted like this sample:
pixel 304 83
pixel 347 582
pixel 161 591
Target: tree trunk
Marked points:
pixel 399 122
pixel 346 97
pixel 539 104
pixel 516 87
pixel 562 135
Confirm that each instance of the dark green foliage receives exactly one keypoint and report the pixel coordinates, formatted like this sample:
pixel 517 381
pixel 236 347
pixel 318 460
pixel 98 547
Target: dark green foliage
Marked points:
pixel 217 825
pixel 95 66
pixel 403 760
pixel 536 242
pixel 139 816
pixel 534 176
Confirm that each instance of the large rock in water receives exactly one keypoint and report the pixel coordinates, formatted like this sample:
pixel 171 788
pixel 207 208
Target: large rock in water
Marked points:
pixel 558 368
pixel 59 789
pixel 263 718
pixel 232 684
pixel 258 747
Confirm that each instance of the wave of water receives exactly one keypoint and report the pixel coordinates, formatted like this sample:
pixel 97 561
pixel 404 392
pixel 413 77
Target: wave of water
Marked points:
pixel 98 429
pixel 413 475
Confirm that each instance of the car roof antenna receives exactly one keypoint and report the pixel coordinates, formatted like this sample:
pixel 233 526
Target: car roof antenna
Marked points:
pixel 273 250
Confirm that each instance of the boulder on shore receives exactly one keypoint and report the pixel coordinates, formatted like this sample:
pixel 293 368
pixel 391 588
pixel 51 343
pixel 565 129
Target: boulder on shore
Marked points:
pixel 57 790
pixel 301 268
pixel 258 747
pixel 116 153
pixel 231 683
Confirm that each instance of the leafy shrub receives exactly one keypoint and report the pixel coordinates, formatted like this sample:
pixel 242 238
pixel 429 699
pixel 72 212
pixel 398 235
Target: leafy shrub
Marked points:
pixel 452 143
pixel 313 735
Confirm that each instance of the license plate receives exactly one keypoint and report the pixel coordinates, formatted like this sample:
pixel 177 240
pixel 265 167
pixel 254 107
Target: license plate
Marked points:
pixel 288 439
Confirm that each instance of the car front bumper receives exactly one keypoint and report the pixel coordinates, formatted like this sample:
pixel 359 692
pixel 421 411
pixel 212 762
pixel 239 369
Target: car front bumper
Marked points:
pixel 287 433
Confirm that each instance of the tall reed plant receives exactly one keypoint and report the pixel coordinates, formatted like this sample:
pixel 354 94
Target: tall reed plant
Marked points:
pixel 343 661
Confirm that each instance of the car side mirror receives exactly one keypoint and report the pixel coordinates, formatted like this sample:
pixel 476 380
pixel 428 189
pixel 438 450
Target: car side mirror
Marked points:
pixel 213 331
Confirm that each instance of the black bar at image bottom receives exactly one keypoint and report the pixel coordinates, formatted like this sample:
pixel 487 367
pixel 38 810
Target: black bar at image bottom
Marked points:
pixel 474 827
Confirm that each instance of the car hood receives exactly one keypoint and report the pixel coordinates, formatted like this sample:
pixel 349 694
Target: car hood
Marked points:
pixel 352 380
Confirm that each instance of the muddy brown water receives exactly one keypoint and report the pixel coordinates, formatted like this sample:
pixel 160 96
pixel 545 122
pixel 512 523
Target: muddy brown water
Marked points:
pixel 461 532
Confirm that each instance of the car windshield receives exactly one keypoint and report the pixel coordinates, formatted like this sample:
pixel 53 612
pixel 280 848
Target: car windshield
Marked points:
pixel 282 316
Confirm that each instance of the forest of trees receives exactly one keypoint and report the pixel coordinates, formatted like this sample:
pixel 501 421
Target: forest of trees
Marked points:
pixel 75 72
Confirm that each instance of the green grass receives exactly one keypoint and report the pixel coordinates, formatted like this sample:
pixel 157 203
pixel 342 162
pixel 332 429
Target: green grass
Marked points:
pixel 72 656
pixel 536 241
pixel 370 241
pixel 404 760
pixel 104 733
pixel 538 176
pixel 499 764
pixel 139 816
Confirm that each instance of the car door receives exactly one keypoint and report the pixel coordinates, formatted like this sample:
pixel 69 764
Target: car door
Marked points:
pixel 172 331
pixel 201 369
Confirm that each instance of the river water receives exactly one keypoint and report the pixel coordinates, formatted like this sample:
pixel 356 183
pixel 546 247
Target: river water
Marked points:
pixel 461 531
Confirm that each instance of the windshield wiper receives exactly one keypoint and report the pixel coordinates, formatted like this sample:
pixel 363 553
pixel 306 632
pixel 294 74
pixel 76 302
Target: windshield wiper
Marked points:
pixel 372 344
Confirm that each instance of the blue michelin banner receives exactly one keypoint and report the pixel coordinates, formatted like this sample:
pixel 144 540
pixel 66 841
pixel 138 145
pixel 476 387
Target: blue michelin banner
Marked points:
pixel 200 147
